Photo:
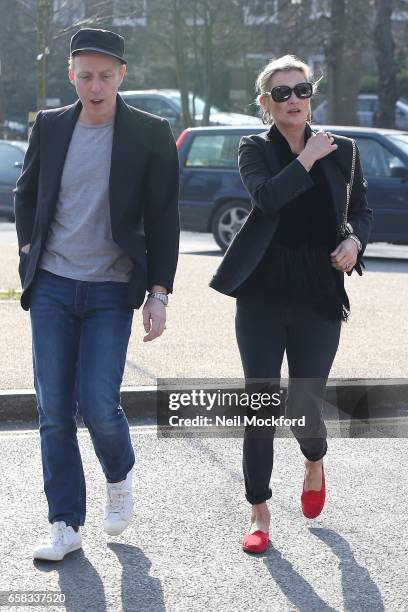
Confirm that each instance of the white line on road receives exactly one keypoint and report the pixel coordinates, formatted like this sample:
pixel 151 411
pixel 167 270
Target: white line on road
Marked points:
pixel 82 431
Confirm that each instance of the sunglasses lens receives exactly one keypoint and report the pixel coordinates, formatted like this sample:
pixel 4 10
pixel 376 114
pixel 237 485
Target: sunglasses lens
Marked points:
pixel 281 93
pixel 303 90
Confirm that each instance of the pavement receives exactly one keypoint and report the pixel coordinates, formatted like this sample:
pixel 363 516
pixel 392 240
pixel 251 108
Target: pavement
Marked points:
pixel 182 551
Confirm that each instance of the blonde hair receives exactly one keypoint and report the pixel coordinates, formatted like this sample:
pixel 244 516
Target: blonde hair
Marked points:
pixel 285 63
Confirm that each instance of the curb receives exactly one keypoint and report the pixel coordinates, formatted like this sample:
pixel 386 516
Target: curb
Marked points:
pixel 21 404
pixel 345 399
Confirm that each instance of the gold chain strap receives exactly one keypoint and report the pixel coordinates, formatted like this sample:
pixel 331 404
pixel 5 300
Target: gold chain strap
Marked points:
pixel 349 186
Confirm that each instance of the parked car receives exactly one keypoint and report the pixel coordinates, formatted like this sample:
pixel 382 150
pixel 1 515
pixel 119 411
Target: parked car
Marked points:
pixel 167 103
pixel 213 198
pixel 367 112
pixel 11 161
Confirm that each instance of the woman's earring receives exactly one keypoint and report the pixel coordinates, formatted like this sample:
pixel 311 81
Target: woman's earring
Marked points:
pixel 266 117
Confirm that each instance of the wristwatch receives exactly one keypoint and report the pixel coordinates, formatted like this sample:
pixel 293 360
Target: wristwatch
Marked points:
pixel 159 295
pixel 356 240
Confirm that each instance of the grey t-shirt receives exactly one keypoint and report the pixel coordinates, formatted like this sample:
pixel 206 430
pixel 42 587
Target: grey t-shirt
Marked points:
pixel 79 243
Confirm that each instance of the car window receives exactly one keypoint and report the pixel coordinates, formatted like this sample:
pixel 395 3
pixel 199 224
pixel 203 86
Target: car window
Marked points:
pixel 198 103
pixel 137 102
pixel 157 106
pixel 366 104
pixel 401 141
pixel 376 160
pixel 8 156
pixel 215 151
pixel 160 107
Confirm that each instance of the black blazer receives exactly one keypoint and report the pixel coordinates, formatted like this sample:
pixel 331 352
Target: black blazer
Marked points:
pixel 271 188
pixel 143 194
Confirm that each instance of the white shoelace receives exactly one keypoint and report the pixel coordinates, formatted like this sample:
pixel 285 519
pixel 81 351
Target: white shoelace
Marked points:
pixel 116 499
pixel 57 534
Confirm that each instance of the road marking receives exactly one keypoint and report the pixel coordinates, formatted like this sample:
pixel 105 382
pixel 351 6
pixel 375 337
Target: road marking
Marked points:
pixel 82 432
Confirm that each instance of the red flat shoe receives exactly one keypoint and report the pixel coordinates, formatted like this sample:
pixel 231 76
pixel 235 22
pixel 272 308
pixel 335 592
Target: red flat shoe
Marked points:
pixel 256 542
pixel 313 501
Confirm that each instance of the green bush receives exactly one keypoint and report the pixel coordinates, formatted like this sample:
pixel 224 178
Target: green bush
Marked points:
pixel 369 84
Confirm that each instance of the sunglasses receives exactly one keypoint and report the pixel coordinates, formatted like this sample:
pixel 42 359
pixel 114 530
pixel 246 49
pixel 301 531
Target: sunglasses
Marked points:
pixel 281 93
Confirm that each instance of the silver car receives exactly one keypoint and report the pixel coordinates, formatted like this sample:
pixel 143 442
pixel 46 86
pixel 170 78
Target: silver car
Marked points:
pixel 367 112
pixel 167 103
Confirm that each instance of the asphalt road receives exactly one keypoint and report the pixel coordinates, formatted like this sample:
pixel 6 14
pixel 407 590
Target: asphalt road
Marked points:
pixel 182 552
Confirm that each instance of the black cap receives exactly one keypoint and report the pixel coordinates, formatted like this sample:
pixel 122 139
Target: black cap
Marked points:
pixel 101 41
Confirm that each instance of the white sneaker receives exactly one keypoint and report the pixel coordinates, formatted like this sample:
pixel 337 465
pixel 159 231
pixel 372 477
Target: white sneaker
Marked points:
pixel 62 540
pixel 119 505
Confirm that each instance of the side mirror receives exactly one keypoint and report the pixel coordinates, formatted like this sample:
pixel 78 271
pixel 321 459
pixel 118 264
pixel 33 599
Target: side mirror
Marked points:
pixel 399 172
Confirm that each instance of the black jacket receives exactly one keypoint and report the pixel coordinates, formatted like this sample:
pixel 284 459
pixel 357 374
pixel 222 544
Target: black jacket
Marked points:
pixel 271 188
pixel 143 194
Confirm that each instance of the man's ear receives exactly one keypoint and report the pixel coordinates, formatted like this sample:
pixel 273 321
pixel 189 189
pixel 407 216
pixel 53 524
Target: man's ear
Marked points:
pixel 122 72
pixel 71 76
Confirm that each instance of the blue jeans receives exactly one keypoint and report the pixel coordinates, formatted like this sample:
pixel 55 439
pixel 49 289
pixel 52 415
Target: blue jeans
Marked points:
pixel 80 335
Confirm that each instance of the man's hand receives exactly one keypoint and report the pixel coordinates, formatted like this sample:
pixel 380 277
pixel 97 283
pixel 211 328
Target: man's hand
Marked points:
pixel 154 318
pixel 344 257
pixel 25 249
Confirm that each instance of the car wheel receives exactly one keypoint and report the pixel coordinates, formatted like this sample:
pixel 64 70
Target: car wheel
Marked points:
pixel 228 219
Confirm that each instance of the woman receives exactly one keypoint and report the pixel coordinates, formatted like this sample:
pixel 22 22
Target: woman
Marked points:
pixel 285 267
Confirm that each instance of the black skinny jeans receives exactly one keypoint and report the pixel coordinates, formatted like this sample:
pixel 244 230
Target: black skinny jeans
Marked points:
pixel 265 327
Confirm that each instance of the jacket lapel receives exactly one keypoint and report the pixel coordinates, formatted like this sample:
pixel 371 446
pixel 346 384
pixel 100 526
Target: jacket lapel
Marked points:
pixel 335 179
pixel 126 150
pixel 126 161
pixel 59 130
pixel 330 166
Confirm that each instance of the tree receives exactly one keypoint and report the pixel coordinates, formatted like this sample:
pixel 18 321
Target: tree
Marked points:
pixel 178 10
pixel 349 32
pixel 191 34
pixel 43 14
pixel 17 49
pixel 43 21
pixel 385 57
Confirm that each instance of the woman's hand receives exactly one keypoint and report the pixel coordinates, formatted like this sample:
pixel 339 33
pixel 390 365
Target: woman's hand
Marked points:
pixel 318 145
pixel 344 257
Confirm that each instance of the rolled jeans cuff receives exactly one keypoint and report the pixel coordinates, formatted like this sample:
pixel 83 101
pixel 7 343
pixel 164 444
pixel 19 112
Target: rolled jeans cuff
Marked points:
pixel 258 499
pixel 314 456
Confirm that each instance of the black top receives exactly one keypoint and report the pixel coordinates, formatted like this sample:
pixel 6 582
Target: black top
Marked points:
pixel 297 264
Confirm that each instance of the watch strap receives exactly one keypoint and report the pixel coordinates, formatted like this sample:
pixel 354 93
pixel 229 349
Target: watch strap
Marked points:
pixel 159 295
pixel 356 240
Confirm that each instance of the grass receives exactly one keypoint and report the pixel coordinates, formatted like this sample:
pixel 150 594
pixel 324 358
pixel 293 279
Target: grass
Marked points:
pixel 10 294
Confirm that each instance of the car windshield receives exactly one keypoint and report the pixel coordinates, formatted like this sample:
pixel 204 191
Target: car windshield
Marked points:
pixel 198 102
pixel 401 140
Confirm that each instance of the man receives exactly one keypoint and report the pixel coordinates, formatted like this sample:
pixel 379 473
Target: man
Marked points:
pixel 97 222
